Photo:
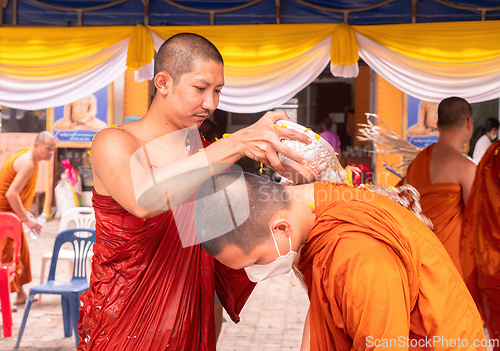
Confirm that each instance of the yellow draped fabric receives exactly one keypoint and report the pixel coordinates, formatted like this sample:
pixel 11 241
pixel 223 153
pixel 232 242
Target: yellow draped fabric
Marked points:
pixel 48 53
pixel 140 48
pixel 344 48
pixel 59 52
pixel 448 42
pixel 251 45
pixel 45 67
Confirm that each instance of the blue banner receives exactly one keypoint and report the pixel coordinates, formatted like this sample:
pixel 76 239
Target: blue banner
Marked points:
pixel 75 135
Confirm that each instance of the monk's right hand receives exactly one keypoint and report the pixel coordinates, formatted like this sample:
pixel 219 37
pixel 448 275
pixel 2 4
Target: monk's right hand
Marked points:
pixel 33 225
pixel 261 141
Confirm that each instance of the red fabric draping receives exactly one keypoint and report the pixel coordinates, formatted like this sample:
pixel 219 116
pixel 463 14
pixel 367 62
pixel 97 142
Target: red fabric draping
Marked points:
pixel 481 240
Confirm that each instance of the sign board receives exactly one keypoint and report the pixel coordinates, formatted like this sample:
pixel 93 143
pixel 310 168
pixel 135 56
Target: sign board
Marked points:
pixel 76 124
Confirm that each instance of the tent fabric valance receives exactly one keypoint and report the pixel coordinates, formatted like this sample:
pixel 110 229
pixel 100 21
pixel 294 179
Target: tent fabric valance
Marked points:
pixel 265 65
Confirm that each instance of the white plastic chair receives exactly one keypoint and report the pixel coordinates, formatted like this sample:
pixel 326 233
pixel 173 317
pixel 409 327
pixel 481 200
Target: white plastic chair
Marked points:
pixel 83 217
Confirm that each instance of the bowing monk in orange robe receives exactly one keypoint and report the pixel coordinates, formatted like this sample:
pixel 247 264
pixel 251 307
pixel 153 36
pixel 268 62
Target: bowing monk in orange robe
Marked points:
pixel 443 176
pixel 18 178
pixel 376 275
pixel 481 241
pixel 152 285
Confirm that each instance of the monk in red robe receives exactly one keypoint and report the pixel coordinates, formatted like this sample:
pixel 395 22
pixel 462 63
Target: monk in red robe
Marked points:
pixel 152 285
pixel 481 241
pixel 377 277
pixel 18 178
pixel 443 175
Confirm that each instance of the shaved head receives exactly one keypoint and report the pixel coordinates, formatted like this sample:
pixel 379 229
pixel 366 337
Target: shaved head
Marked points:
pixel 453 112
pixel 235 208
pixel 42 137
pixel 44 146
pixel 178 54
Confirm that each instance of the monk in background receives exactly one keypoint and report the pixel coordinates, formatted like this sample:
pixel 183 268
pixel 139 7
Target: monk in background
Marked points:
pixel 443 175
pixel 481 240
pixel 18 178
pixel 377 277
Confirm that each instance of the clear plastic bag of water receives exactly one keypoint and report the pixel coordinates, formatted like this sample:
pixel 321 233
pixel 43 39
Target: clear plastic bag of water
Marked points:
pixel 41 220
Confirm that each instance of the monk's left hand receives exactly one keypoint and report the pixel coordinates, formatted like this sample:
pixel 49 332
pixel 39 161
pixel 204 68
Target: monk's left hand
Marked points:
pixel 262 141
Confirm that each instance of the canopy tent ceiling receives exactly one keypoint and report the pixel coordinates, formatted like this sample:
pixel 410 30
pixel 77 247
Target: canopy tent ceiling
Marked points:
pixel 225 12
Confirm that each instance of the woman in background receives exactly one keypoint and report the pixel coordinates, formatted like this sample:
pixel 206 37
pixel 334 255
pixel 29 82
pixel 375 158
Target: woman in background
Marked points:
pixel 486 136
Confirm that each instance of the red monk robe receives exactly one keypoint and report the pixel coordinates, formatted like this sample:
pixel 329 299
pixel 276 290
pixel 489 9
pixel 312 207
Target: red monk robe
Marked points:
pixel 376 273
pixel 481 240
pixel 442 203
pixel 147 292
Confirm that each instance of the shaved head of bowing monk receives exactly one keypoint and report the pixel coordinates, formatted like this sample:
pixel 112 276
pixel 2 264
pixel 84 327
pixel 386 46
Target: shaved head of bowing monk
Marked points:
pixel 152 286
pixel 18 178
pixel 444 176
pixel 375 274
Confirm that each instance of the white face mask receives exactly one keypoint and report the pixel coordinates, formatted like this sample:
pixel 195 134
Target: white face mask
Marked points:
pixel 493 137
pixel 259 272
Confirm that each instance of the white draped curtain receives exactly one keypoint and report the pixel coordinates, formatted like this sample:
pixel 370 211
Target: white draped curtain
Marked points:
pixel 29 94
pixel 429 81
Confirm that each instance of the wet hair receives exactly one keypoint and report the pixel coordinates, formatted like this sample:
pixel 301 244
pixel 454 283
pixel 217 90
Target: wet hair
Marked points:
pixel 491 123
pixel 43 136
pixel 265 198
pixel 453 112
pixel 178 54
pixel 327 122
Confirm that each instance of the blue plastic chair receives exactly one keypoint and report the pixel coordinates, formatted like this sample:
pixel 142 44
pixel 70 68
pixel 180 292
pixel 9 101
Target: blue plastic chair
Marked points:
pixel 69 291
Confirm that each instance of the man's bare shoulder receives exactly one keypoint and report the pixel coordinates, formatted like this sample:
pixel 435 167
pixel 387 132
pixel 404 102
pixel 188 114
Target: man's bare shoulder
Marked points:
pixel 447 165
pixel 115 140
pixel 458 161
pixel 466 170
pixel 446 154
pixel 465 161
pixel 24 162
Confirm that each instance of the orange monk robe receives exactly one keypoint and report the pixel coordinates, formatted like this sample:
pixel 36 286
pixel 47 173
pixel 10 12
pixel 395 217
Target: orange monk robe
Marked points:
pixel 377 276
pixel 442 203
pixel 481 240
pixel 7 175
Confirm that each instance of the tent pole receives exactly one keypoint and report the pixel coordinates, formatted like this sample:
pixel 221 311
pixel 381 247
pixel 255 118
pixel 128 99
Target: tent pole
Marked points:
pixel 278 11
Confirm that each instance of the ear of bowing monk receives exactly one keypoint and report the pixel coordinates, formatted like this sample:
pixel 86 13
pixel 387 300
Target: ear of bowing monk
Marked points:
pixel 444 176
pixel 18 178
pixel 152 285
pixel 377 277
